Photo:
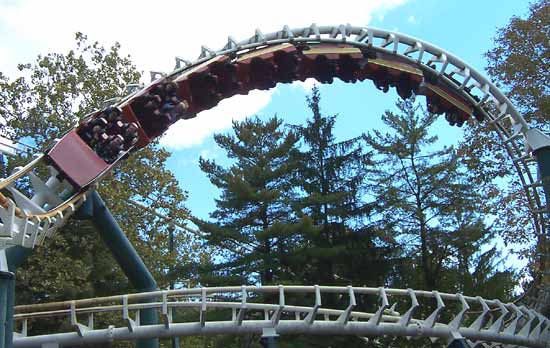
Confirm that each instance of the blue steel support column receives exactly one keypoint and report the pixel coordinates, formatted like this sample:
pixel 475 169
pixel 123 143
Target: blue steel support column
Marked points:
pixel 269 338
pixel 268 342
pixel 4 283
pixel 127 257
pixel 6 307
pixel 10 301
pixel 15 256
pixel 543 160
pixel 175 340
pixel 458 343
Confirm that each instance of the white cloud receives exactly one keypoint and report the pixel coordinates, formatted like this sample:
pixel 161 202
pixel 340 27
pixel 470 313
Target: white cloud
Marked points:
pixel 306 85
pixel 205 153
pixel 411 19
pixel 187 133
pixel 6 56
pixel 155 32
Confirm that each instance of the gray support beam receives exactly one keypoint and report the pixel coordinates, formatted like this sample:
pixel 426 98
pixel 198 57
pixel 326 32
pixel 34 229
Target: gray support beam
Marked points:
pixel 50 345
pixel 285 327
pixel 127 257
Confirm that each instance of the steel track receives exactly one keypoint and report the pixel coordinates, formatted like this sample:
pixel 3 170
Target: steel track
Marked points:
pixel 291 310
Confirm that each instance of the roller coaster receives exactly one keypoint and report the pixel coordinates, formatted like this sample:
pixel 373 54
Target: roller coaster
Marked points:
pixel 89 151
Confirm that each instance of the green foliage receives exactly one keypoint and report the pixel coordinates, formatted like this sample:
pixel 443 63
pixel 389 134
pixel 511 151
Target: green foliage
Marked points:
pixel 49 98
pixel 58 89
pixel 520 62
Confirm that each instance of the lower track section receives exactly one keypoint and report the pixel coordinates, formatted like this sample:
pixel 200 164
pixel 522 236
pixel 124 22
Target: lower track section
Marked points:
pixel 290 310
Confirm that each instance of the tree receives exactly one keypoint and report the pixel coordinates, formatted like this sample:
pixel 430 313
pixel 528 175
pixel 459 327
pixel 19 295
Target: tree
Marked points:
pixel 253 222
pixel 429 203
pixel 424 196
pixel 289 214
pixel 519 64
pixel 331 179
pixel 50 97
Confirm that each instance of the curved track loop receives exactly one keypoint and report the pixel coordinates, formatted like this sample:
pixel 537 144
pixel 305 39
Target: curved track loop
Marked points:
pixel 292 310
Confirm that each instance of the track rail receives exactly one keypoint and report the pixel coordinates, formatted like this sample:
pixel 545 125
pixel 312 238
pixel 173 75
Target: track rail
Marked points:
pixel 291 310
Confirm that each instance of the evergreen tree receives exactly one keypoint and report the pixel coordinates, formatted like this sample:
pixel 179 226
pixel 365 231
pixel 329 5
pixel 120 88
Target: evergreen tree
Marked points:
pixel 331 179
pixel 293 215
pixel 339 247
pixel 426 198
pixel 253 223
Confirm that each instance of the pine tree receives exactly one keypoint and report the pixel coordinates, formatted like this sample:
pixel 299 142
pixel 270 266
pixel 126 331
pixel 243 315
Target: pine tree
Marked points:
pixel 426 198
pixel 253 223
pixel 338 247
pixel 331 179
